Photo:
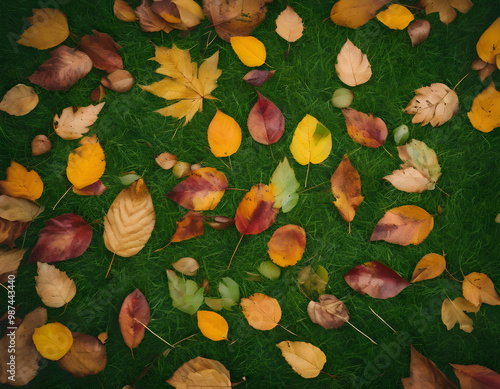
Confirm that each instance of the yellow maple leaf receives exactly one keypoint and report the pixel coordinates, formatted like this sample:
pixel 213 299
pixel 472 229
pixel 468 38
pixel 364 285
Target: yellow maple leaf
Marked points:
pixel 184 81
pixel 21 183
pixel 485 112
pixel 49 28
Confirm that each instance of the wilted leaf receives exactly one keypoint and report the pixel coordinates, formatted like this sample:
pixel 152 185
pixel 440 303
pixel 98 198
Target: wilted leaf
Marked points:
pixel 355 13
pixel 123 11
pixel 95 189
pixel 64 69
pixel 478 288
pixel 74 122
pixel 446 8
pixel 352 67
pixel 396 17
pixel 418 31
pixel 311 142
pixel 19 100
pixel 313 280
pixel 404 225
pixel 53 286
pixel 265 121
pixel 476 377
pixel 181 14
pixel 289 25
pixel 261 311
pixel 485 112
pixel 49 27
pixel 86 165
pixel 87 356
pixel 187 266
pixel 434 104
pixel 134 311
pixel 130 215
pixel 102 50
pixel 186 296
pixel 201 373
pixel 258 77
pixel 230 293
pixel 21 183
pixel 304 358
pixel 98 94
pixel 425 374
pixel 287 245
pixel 256 213
pixel 284 186
pixel 453 312
pixel 364 129
pixel 18 209
pixel 488 46
pixel 212 325
pixel 330 312
pixel 52 340
pixel 376 280
pixel 430 266
pixel 224 135
pixel 10 231
pixel 249 50
pixel 190 226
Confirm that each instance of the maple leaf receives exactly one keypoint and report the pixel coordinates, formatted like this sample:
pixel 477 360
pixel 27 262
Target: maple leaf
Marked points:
pixel 53 286
pixel 19 100
pixel 453 312
pixel 184 81
pixel 74 122
pixel 446 8
pixel 305 359
pixel 87 356
pixel 49 28
pixel 352 67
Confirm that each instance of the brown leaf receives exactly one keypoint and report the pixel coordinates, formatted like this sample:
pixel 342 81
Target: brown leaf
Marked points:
pixel 53 286
pixel 19 100
pixel 134 309
pixel 87 356
pixel 265 121
pixel 476 377
pixel 352 67
pixel 355 13
pixel 95 189
pixel 425 375
pixel 365 129
pixel 9 261
pixel 102 50
pixel 289 25
pixel 219 222
pixel 258 77
pixel 483 68
pixel 10 231
pixel 123 11
pixel 478 288
pixel 346 187
pixel 187 266
pixel 166 160
pixel 40 145
pixel 330 312
pixel 18 209
pixel 430 266
pixel 446 8
pixel 64 69
pixel 418 31
pixel 190 226
pixel 201 372
pixel 119 81
pixel 149 20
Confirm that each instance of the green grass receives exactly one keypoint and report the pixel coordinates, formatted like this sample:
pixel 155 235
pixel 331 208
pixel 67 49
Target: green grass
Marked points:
pixel 131 134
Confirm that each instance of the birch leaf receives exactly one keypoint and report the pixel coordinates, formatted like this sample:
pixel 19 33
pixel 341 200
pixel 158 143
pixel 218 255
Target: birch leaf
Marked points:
pixel 53 286
pixel 224 135
pixel 352 67
pixel 249 50
pixel 284 186
pixel 311 142
pixel 304 358
pixel 261 311
pixel 289 25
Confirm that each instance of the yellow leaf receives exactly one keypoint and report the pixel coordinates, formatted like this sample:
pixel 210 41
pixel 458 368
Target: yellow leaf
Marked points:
pixel 304 358
pixel 224 135
pixel 249 50
pixel 74 122
pixel 53 286
pixel 53 340
pixel 430 266
pixel 453 312
pixel 289 25
pixel 201 373
pixel 21 183
pixel 49 28
pixel 355 13
pixel 19 100
pixel 262 312
pixel 212 325
pixel 85 165
pixel 130 220
pixel 311 142
pixel 352 67
pixel 485 112
pixel 396 17
pixel 478 288
pixel 191 14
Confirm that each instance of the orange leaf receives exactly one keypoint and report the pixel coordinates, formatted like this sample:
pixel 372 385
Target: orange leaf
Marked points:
pixel 478 288
pixel 287 245
pixel 365 129
pixel 212 325
pixel 355 13
pixel 134 307
pixel 255 212
pixel 190 226
pixel 430 266
pixel 21 183
pixel 224 135
pixel 404 225
pixel 262 312
pixel 346 187
pixel 86 165
pixel 488 46
pixel 476 377
pixel 485 112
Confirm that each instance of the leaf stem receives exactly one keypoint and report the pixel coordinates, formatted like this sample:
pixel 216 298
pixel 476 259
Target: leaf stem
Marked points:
pixel 286 329
pixel 307 174
pixel 361 332
pixel 234 252
pixel 65 193
pixel 458 83
pixel 375 313
pixel 333 377
pixel 146 327
pixel 164 247
pixel 109 268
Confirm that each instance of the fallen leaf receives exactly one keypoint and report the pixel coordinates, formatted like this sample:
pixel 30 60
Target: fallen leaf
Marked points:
pixel 289 25
pixel 434 104
pixel 376 280
pixel 224 135
pixel 212 325
pixel 287 245
pixel 10 260
pixel 52 340
pixel 49 27
pixel 430 266
pixel 452 312
pixel 95 189
pixel 249 50
pixel 130 220
pixel 63 70
pixel 355 13
pixel 330 312
pixel 219 222
pixel 40 145
pixel 352 67
pixel 255 212
pixel 236 17
pixel 346 187
pixel 311 142
pixel 488 45
pixel 10 231
pixel 313 280
pixel 265 121
pixel 419 30
pixel 188 13
pixel 190 226
pixel 120 81
pixel 123 11
pixel 27 356
pixel 396 17
pixel 425 374
pixel 64 237
pixel 21 183
pixel 446 8
pixel 258 77
pixel 230 293
pixel 201 372
pixel 484 69
pixel 284 186
pixel 19 100
pixel 186 295
pixel 149 20
pixel 86 165
pixel 103 337
pixel 485 112
pixel 404 225
pixel 166 160
pixel 102 50
pixel 187 266
pixel 304 358
pixel 420 170
pixel 98 94
pixel 54 286
pixel 134 311
pixel 184 81
pixel 269 270
pixel 342 98
pixel 478 288
pixel 476 377
pixel 87 356
pixel 261 311
pixel 18 209
pixel 74 122
pixel 364 129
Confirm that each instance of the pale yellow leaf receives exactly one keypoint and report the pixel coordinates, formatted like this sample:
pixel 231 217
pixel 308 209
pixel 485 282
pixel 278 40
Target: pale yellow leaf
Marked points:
pixel 289 25
pixel 53 286
pixel 304 358
pixel 74 122
pixel 311 142
pixel 19 100
pixel 201 373
pixel 17 209
pixel 352 67
pixel 453 312
pixel 49 28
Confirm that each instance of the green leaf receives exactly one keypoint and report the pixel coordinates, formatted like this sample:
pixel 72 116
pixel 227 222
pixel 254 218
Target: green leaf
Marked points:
pixel 313 281
pixel 229 289
pixel 284 186
pixel 187 296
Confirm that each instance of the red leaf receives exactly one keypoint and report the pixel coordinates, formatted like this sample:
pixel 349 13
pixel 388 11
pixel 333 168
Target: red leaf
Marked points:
pixel 11 230
pixel 64 237
pixel 95 189
pixel 255 212
pixel 134 309
pixel 365 129
pixel 376 280
pixel 102 50
pixel 476 377
pixel 265 121
pixel 65 68
pixel 190 226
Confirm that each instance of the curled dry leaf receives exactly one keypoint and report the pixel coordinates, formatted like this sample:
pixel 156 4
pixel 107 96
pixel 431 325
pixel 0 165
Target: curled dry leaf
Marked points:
pixel 180 14
pixel 330 312
pixel 53 286
pixel 74 122
pixel 98 94
pixel 17 209
pixel 485 112
pixel 149 20
pixel 87 356
pixel 452 312
pixel 86 164
pixel 355 13
pixel 446 8
pixel 287 245
pixel 258 77
pixel 119 81
pixel 212 325
pixel 19 100
pixel 49 28
pixel 21 183
pixel 352 67
pixel 10 231
pixel 396 17
pixel 219 222
pixel 249 50
pixel 265 121
pixel 40 145
pixel 430 266
pixel 201 372
pixel 261 311
pixel 289 25
pixel 166 160
pixel 52 340
pixel 476 377
pixel 419 30
pixel 364 129
pixel 123 11
pixel 304 358
pixel 187 266
pixel 134 311
pixel 130 215
pixel 484 69
pixel 478 288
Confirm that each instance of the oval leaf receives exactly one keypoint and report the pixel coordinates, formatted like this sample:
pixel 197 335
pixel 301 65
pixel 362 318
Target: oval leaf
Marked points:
pixel 87 356
pixel 287 245
pixel 330 312
pixel 485 112
pixel 352 67
pixel 201 373
pixel 284 186
pixel 478 288
pixel 249 50
pixel 22 183
pixel 19 100
pixel 396 17
pixel 53 286
pixel 261 311
pixel 488 46
pixel 430 266
pixel 255 213
pixel 311 142
pixel 212 325
pixel 134 311
pixel 86 165
pixel 224 135
pixel 304 358
pixel 355 13
pixel 364 129
pixel 52 340
pixel 265 121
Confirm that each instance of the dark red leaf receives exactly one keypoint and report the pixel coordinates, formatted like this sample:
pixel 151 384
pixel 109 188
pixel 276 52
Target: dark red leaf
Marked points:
pixel 265 121
pixel 95 189
pixel 134 311
pixel 258 77
pixel 102 50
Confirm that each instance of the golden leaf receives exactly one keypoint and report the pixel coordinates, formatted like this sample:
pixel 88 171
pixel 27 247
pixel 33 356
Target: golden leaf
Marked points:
pixel 396 17
pixel 21 183
pixel 488 46
pixel 311 142
pixel 355 13
pixel 249 50
pixel 212 325
pixel 19 100
pixel 287 245
pixel 49 28
pixel 430 266
pixel 485 112
pixel 304 358
pixel 53 286
pixel 261 311
pixel 86 165
pixel 224 135
pixel 53 340
pixel 201 373
pixel 478 288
